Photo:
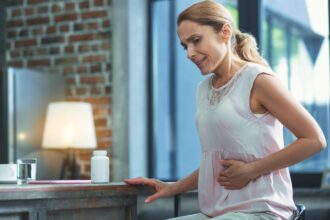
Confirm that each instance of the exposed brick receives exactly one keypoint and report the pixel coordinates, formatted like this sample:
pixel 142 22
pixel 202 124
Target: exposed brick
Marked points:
pixel 108 90
pixel 106 46
pixel 103 133
pixel 68 70
pixel 78 27
pixel 98 3
pixel 14 54
pixel 14 23
pixel 66 17
pixel 86 155
pixel 26 43
pixel 100 112
pixel 69 6
pixel 28 53
pixel 99 100
pixel 37 31
pixel 54 50
pixel 87 168
pixel 82 37
pixel 69 49
pixel 29 11
pixel 94 14
pixel 92 79
pixel 97 91
pixel 16 12
pixel 95 47
pixel 104 144
pixel 52 40
pixel 15 63
pixel 95 58
pixel 11 3
pixel 38 21
pixel 66 60
pixel 23 33
pixel 30 2
pixel 11 34
pixel 96 68
pixel 81 91
pixel 51 29
pixel 83 48
pixel 92 26
pixel 64 28
pixel 40 51
pixel 69 92
pixel 84 5
pixel 56 8
pixel 106 24
pixel 101 122
pixel 39 62
pixel 73 99
pixel 71 80
pixel 82 69
pixel 43 10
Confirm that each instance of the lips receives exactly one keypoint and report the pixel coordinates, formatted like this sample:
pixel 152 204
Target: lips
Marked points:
pixel 199 62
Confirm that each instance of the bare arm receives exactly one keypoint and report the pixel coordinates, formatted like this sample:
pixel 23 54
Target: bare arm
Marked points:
pixel 280 103
pixel 276 99
pixel 163 189
pixel 188 183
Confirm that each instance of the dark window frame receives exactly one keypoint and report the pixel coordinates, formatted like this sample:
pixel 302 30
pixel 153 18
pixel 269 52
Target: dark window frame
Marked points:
pixel 3 87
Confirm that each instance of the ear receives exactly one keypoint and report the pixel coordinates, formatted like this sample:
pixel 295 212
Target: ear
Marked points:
pixel 226 32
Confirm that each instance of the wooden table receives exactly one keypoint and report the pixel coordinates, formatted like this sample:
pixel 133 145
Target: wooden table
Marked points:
pixel 113 201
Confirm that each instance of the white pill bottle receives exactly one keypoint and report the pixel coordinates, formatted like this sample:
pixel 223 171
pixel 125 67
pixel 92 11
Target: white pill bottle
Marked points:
pixel 100 167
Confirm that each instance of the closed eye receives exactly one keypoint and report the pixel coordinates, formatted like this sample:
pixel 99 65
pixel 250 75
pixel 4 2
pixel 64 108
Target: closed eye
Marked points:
pixel 196 41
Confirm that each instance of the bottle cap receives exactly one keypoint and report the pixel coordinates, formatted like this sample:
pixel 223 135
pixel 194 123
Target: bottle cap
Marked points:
pixel 99 152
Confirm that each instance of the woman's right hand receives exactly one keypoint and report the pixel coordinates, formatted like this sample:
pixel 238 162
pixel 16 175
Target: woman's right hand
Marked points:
pixel 162 189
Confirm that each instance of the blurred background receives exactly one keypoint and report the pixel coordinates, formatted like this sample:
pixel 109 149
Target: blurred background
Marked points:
pixel 124 58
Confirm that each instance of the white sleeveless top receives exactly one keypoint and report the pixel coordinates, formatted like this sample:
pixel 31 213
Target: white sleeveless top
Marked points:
pixel 229 130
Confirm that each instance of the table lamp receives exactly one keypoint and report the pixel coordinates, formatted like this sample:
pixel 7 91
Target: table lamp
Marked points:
pixel 69 125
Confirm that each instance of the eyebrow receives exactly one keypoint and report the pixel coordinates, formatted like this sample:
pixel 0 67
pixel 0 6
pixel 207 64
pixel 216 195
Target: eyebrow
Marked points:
pixel 189 39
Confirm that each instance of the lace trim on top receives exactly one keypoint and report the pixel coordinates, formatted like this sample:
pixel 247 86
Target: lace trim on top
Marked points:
pixel 216 95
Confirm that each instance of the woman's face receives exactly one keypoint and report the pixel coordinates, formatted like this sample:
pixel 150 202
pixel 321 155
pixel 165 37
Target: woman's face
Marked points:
pixel 205 47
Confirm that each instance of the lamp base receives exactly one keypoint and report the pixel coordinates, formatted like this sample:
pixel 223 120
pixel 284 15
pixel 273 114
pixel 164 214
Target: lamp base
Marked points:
pixel 70 168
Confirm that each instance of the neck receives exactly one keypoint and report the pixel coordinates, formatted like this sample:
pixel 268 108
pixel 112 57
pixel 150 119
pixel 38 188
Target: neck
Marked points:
pixel 227 70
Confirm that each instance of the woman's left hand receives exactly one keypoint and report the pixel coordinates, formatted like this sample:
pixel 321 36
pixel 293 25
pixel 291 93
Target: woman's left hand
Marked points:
pixel 235 174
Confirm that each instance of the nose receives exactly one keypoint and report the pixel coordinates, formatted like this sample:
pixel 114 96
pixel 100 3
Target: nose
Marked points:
pixel 190 52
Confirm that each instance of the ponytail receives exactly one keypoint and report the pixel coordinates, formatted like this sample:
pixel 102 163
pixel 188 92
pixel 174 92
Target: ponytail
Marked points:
pixel 246 48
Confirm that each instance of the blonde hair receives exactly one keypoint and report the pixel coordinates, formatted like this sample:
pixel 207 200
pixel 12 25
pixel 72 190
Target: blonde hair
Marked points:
pixel 216 15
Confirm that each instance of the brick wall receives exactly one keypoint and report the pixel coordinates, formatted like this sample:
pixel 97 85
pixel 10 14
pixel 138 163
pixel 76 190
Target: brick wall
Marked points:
pixel 72 38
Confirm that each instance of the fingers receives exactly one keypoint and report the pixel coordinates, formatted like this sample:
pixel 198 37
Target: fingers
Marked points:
pixel 140 181
pixel 225 163
pixel 154 196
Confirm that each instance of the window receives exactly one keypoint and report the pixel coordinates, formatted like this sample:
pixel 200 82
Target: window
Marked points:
pixel 175 78
pixel 297 47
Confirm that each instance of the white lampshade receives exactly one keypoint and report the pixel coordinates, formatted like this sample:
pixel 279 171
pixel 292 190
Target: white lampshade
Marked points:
pixel 69 125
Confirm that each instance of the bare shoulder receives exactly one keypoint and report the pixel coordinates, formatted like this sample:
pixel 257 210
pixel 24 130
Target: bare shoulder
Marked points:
pixel 268 86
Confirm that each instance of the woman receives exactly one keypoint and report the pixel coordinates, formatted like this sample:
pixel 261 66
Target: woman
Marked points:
pixel 241 107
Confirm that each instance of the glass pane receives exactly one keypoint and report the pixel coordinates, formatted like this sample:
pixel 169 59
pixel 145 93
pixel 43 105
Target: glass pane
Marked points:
pixel 295 41
pixel 183 145
pixel 160 70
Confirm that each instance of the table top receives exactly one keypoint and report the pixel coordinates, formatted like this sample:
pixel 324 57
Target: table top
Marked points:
pixel 41 191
